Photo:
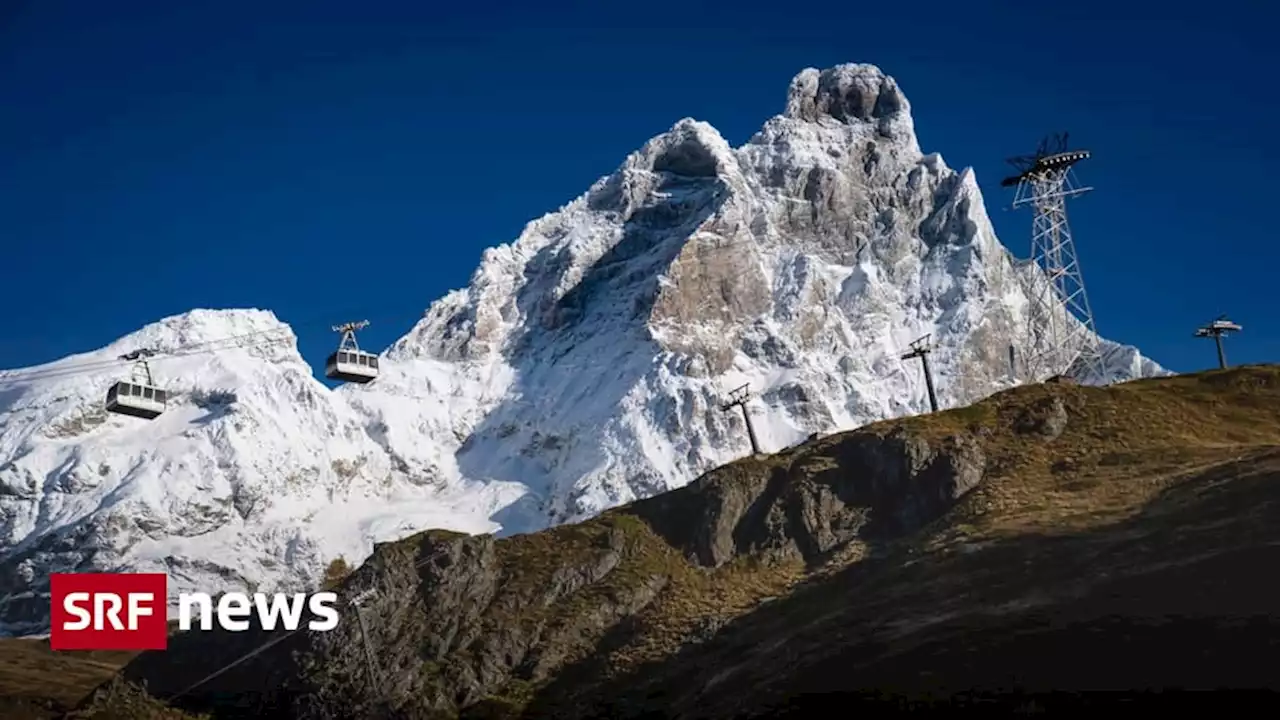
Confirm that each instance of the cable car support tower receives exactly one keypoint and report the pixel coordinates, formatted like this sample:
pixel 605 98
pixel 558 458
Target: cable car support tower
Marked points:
pixel 1063 338
pixel 738 397
pixel 920 348
pixel 1216 329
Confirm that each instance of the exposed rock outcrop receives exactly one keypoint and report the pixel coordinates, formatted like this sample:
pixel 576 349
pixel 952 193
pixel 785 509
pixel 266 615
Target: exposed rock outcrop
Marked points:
pixel 456 620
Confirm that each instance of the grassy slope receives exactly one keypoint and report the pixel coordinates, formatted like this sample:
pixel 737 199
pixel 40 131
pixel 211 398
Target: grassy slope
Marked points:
pixel 35 682
pixel 1157 502
pixel 1124 455
pixel 1143 475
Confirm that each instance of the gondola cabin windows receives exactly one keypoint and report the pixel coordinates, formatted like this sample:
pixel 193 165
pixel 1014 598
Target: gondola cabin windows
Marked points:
pixel 138 397
pixel 349 363
pixel 351 366
pixel 136 400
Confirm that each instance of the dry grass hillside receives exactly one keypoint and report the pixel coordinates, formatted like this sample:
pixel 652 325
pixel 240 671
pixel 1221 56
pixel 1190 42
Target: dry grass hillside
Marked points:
pixel 1052 536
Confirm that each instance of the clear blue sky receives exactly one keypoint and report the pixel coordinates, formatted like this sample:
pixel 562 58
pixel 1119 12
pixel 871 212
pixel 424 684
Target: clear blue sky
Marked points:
pixel 344 160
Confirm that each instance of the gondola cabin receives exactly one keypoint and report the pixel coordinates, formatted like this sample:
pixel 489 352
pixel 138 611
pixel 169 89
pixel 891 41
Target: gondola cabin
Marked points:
pixel 351 366
pixel 136 399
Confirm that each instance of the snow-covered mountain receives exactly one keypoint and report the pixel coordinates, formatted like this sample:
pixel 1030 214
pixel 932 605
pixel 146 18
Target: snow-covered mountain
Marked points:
pixel 584 366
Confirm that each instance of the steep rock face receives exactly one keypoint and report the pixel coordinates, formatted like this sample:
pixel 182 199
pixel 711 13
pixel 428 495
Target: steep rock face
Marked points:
pixel 863 485
pixel 583 367
pixel 802 263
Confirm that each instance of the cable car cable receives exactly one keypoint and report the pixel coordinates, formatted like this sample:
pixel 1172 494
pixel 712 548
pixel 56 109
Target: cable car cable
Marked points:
pixel 261 648
pixel 94 366
pixel 44 371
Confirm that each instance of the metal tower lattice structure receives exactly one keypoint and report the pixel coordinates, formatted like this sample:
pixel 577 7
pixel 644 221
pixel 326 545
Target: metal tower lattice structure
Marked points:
pixel 920 348
pixel 739 396
pixel 1064 339
pixel 1216 329
pixel 348 331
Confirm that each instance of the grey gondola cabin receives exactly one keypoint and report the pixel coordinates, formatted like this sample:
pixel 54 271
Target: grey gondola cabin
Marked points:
pixel 351 366
pixel 136 400
pixel 349 363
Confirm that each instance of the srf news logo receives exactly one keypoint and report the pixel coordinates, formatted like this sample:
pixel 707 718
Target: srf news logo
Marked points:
pixel 129 611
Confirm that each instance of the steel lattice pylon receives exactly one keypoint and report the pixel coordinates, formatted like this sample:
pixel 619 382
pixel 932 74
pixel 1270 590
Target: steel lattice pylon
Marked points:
pixel 1063 337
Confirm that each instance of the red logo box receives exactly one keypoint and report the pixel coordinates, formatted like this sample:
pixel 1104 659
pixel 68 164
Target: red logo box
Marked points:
pixel 108 611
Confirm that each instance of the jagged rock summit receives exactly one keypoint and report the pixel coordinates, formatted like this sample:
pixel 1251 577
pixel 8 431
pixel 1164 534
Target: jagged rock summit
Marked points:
pixel 583 367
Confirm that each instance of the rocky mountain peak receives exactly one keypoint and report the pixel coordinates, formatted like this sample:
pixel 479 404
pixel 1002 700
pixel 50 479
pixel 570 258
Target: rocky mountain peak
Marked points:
pixel 691 149
pixel 847 93
pixel 583 366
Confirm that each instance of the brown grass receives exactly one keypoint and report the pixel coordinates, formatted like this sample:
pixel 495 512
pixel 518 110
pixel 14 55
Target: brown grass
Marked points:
pixel 334 573
pixel 1146 478
pixel 36 682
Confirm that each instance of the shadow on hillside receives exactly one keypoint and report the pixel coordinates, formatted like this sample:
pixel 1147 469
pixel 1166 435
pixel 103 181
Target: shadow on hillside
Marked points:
pixel 1179 596
pixel 211 415
pixel 219 672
